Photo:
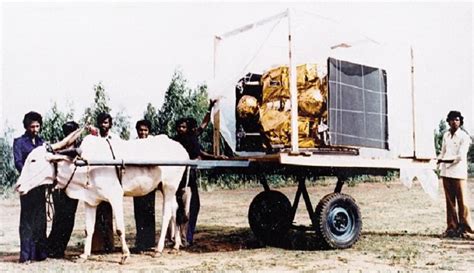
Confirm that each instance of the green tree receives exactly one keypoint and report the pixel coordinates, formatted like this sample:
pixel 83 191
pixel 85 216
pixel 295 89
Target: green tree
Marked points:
pixel 8 173
pixel 200 100
pixel 438 136
pixel 470 154
pixel 182 101
pixel 176 105
pixel 53 122
pixel 101 105
pixel 122 124
pixel 151 114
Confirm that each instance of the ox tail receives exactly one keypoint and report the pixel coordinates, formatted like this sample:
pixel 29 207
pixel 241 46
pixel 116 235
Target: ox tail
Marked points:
pixel 181 217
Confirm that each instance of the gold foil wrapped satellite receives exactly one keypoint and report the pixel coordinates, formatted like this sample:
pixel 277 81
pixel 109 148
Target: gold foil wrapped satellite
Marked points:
pixel 275 124
pixel 276 84
pixel 311 102
pixel 247 107
pixel 274 112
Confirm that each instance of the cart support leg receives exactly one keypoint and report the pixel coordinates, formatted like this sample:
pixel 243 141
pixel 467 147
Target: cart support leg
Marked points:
pixel 295 203
pixel 307 201
pixel 340 183
pixel 263 180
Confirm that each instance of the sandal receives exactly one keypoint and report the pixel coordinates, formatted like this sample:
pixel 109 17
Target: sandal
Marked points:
pixel 449 233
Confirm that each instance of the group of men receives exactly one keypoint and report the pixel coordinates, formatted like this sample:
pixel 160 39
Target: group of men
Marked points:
pixel 36 246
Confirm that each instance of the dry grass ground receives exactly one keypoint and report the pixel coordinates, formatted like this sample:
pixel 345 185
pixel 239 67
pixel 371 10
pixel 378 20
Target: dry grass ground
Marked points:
pixel 400 232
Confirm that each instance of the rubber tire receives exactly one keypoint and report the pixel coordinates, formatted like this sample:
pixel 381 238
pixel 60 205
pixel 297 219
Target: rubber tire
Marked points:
pixel 339 222
pixel 270 216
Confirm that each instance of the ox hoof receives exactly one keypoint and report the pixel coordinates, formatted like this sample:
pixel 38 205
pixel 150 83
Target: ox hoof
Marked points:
pixel 123 260
pixel 175 251
pixel 82 258
pixel 157 254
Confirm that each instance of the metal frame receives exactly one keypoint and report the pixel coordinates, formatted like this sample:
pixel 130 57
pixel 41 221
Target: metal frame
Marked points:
pixel 269 164
pixel 200 164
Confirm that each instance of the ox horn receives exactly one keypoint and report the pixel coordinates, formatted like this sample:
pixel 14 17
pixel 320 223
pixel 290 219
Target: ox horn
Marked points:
pixel 68 140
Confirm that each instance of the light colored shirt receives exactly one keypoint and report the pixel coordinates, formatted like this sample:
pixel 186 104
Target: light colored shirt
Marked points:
pixel 455 147
pixel 111 136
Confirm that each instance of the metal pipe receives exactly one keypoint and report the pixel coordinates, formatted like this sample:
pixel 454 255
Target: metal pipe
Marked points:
pixel 293 91
pixel 202 164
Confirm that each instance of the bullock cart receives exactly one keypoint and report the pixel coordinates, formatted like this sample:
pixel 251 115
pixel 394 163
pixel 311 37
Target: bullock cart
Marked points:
pixel 336 218
pixel 364 119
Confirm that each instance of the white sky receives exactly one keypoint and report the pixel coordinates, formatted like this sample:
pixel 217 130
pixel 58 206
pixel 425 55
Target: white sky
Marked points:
pixel 57 52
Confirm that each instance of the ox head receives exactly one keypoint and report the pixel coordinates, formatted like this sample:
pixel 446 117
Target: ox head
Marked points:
pixel 39 166
pixel 38 169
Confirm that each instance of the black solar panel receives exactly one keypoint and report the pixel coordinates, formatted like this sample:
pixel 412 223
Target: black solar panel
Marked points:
pixel 357 105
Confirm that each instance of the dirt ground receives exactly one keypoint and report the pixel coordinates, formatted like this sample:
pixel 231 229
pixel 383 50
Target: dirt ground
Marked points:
pixel 400 232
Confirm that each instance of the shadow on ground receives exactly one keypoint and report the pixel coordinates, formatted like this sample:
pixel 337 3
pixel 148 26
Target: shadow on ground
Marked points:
pixel 224 238
pixel 211 239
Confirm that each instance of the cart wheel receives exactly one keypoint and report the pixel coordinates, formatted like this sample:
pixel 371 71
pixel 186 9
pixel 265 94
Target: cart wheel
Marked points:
pixel 270 216
pixel 338 219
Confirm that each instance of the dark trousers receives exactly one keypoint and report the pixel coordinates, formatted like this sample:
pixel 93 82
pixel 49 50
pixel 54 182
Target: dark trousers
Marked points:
pixel 193 212
pixel 63 223
pixel 144 211
pixel 455 191
pixel 33 244
pixel 103 237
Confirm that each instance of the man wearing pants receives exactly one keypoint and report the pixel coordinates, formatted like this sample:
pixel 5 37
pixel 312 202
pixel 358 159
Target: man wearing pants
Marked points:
pixel 454 174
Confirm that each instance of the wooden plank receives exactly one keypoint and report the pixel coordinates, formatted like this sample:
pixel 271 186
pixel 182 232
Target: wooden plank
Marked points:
pixel 216 134
pixel 350 161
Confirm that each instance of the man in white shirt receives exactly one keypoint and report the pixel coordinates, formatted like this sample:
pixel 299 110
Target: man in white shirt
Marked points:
pixel 453 159
pixel 103 237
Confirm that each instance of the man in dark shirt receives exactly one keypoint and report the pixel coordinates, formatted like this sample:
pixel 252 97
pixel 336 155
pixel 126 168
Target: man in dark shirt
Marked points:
pixel 33 244
pixel 187 134
pixel 144 206
pixel 64 211
pixel 188 138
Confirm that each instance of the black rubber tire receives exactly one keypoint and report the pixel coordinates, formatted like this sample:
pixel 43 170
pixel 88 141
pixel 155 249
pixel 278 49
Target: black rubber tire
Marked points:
pixel 338 221
pixel 270 216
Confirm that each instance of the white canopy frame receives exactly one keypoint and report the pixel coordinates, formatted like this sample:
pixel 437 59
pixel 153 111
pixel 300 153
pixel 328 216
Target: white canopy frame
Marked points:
pixel 348 45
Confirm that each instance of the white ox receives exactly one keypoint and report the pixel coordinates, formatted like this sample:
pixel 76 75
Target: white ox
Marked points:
pixel 94 184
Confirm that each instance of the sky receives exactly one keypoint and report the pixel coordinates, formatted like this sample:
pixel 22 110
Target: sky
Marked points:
pixel 57 51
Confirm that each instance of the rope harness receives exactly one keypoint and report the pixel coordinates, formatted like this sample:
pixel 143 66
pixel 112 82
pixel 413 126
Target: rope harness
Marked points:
pixel 49 204
pixel 49 191
pixel 118 171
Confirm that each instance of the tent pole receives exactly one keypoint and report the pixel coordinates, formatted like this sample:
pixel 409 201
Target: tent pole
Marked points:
pixel 293 91
pixel 413 101
pixel 216 134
